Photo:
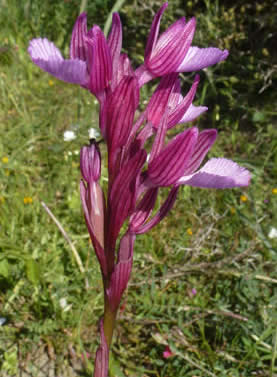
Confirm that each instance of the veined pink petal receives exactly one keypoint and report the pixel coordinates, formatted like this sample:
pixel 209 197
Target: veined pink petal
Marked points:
pixel 204 143
pixel 154 31
pixel 101 367
pixel 48 57
pixel 192 113
pixel 218 173
pixel 122 270
pixel 199 58
pixel 99 60
pixel 90 163
pixel 120 115
pixel 115 37
pixel 178 112
pixel 78 46
pixel 143 75
pixel 162 212
pixel 167 168
pixel 121 200
pixel 160 99
pixel 171 51
pixel 143 209
pixel 99 251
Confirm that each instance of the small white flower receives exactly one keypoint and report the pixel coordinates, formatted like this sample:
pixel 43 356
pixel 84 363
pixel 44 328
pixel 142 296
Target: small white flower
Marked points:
pixel 63 302
pixel 93 133
pixel 272 233
pixel 3 320
pixel 69 135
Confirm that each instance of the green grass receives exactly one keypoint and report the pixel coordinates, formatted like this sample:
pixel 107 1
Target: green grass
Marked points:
pixel 212 241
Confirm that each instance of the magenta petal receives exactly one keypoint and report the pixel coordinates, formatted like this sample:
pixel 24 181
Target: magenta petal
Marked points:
pixel 48 57
pixel 171 49
pixel 78 47
pixel 101 366
pixel 160 98
pixel 90 163
pixel 199 58
pixel 121 109
pixel 170 164
pixel 204 143
pixel 122 195
pixel 179 110
pixel 143 210
pixel 218 173
pixel 122 270
pixel 192 113
pixel 93 225
pixel 154 31
pixel 115 37
pixel 163 211
pixel 143 75
pixel 99 61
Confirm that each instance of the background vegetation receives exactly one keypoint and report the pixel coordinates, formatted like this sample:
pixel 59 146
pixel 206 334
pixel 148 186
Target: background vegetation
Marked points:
pixel 204 281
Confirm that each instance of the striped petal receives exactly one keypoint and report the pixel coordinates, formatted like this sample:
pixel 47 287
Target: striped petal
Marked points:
pixel 204 143
pixel 167 168
pixel 122 271
pixel 99 60
pixel 48 57
pixel 78 46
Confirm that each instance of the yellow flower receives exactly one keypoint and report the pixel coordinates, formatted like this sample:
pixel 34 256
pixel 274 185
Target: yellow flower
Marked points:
pixel 28 200
pixel 243 198
pixel 189 231
pixel 232 210
pixel 274 191
pixel 51 82
pixel 2 199
pixel 5 160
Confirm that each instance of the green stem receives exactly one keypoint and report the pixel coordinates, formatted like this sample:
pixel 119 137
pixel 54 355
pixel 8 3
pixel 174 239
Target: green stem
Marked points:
pixel 115 8
pixel 109 322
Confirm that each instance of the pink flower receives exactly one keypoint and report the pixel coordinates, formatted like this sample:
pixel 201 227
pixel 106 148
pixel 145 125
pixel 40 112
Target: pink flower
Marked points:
pixel 167 352
pixel 172 50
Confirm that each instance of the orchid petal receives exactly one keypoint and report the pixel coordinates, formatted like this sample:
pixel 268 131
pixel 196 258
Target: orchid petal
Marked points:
pixel 99 251
pixel 122 271
pixel 78 46
pixel 178 112
pixel 192 113
pixel 143 209
pixel 162 212
pixel 218 173
pixel 204 143
pixel 90 163
pixel 171 49
pixel 154 31
pixel 160 98
pixel 122 195
pixel 48 57
pixel 170 163
pixel 199 58
pixel 115 37
pixel 99 60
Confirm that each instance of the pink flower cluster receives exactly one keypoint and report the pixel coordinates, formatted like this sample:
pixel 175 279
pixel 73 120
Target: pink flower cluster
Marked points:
pixel 135 176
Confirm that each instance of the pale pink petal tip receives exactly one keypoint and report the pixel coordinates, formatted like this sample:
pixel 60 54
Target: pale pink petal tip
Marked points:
pixel 218 173
pixel 199 58
pixel 48 57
